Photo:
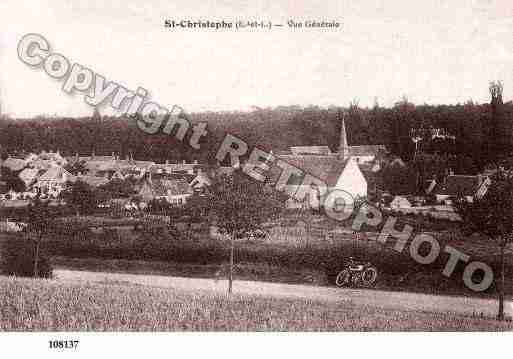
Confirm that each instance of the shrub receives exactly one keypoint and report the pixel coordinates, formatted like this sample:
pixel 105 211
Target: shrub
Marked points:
pixel 17 255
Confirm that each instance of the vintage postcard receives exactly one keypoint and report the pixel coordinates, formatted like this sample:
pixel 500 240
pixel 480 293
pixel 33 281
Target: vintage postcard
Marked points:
pixel 181 167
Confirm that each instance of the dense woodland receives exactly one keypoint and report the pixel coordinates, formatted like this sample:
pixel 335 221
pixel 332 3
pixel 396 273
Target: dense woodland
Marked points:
pixel 464 134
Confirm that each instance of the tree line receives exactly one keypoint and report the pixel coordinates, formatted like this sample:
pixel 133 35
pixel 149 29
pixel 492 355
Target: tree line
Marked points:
pixel 464 132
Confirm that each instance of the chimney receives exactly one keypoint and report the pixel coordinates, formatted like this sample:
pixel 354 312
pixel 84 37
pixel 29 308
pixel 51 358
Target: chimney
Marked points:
pixel 195 162
pixel 167 162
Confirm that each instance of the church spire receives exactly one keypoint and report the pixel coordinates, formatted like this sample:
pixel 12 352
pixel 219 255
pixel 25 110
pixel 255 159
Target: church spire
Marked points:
pixel 343 149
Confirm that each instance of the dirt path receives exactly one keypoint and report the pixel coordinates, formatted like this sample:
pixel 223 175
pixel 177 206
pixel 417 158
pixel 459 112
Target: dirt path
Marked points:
pixel 375 298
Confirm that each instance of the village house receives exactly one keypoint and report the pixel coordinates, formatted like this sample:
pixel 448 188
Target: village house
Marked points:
pixel 93 181
pixel 30 175
pixel 400 202
pixel 30 168
pixel 173 191
pixel 53 181
pixel 178 168
pixel 460 185
pixel 15 164
pixel 45 160
pixel 112 167
pixel 201 182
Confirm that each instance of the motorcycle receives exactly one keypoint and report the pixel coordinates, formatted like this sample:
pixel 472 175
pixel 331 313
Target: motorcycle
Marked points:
pixel 357 273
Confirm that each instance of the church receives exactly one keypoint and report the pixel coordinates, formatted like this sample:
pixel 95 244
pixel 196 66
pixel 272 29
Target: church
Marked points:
pixel 341 170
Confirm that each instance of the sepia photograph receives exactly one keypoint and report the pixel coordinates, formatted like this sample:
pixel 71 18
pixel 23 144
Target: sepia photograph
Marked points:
pixel 262 166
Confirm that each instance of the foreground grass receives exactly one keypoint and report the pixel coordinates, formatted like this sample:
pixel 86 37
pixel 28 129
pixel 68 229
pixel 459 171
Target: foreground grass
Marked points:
pixel 45 305
pixel 244 271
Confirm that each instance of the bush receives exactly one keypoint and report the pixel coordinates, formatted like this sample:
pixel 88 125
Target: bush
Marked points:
pixel 17 258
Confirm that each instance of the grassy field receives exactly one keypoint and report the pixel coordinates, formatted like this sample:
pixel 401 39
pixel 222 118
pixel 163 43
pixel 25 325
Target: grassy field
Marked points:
pixel 243 271
pixel 44 305
pixel 289 255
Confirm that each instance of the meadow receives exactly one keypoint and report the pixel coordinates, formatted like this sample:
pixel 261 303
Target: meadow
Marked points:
pixel 47 305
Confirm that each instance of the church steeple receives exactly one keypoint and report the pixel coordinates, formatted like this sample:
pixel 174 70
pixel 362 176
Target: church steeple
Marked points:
pixel 343 148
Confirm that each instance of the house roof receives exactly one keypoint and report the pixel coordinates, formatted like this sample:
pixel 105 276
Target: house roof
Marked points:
pixel 173 176
pixel 99 165
pixel 326 168
pixel 52 156
pixel 93 181
pixel 366 150
pixel 102 158
pixel 224 171
pixel 177 167
pixel 28 175
pixel 456 184
pixel 312 150
pixel 397 162
pixel 166 187
pixel 201 178
pixel 56 173
pixel 400 201
pixel 143 164
pixel 14 164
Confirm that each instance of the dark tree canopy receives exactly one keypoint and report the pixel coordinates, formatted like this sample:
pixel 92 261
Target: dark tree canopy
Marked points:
pixel 459 130
pixel 240 204
pixel 81 196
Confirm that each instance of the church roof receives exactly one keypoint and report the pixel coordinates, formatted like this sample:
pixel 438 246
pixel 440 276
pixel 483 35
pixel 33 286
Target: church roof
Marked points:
pixel 326 168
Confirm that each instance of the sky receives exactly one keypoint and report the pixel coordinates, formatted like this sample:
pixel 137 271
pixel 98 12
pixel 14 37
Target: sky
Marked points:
pixel 434 51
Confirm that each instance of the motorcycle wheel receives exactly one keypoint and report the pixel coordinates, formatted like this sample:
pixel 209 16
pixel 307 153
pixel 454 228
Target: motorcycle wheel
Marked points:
pixel 343 278
pixel 369 276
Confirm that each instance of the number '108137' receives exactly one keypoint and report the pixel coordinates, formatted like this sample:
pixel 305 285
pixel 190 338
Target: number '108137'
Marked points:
pixel 63 344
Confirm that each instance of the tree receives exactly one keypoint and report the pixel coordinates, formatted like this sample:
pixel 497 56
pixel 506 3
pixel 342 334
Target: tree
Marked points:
pixel 241 205
pixel 40 218
pixel 118 188
pixel 398 179
pixel 492 215
pixel 80 196
pixel 12 180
